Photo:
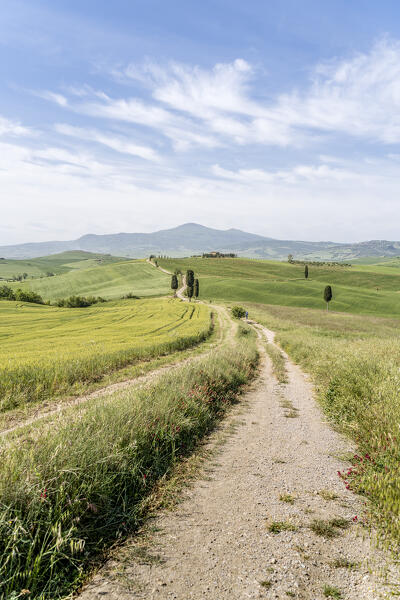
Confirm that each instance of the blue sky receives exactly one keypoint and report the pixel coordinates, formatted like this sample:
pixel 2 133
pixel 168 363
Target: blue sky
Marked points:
pixel 280 118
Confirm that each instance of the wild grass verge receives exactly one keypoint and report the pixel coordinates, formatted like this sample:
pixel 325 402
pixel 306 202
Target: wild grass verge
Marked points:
pixel 355 363
pixel 70 489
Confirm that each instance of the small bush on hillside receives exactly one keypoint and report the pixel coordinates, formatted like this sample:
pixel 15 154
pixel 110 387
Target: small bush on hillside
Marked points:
pixel 6 292
pixel 238 312
pixel 28 296
pixel 79 301
pixel 130 296
pixel 22 295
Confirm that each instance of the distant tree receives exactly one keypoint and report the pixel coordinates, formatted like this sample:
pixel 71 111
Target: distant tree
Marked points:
pixel 156 263
pixel 327 295
pixel 290 258
pixel 196 288
pixel 189 283
pixel 174 283
pixel 25 275
pixel 306 272
pixel 189 278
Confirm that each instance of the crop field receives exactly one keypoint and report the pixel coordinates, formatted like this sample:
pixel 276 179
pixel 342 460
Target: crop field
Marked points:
pixel 83 481
pixel 56 264
pixel 355 363
pixel 106 280
pixel 44 350
pixel 364 289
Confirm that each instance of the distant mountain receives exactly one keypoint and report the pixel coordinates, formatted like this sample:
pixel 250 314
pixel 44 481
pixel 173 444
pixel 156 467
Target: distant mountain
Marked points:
pixel 192 238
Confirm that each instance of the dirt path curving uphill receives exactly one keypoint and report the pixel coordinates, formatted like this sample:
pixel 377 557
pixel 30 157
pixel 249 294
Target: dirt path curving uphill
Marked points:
pixel 245 529
pixel 181 292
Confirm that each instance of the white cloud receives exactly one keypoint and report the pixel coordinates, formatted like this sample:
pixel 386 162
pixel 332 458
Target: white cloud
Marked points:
pixel 359 96
pixel 12 128
pixel 356 96
pixel 192 106
pixel 298 174
pixel 53 97
pixel 116 143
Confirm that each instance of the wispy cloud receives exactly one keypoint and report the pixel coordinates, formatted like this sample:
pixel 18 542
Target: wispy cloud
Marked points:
pixel 356 96
pixel 13 128
pixel 297 174
pixel 119 144
pixel 53 97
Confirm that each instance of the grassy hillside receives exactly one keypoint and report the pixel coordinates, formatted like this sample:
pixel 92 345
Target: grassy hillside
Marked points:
pixel 107 280
pixel 56 264
pixel 44 350
pixel 357 289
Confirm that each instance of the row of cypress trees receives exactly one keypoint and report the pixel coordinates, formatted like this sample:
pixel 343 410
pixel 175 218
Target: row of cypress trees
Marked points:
pixel 192 284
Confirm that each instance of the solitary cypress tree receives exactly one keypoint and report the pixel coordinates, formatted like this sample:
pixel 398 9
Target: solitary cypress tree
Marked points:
pixel 306 272
pixel 327 295
pixel 174 283
pixel 196 288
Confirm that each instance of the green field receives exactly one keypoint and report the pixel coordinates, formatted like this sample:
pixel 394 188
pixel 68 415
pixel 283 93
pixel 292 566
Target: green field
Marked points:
pixel 44 350
pixel 106 280
pixel 56 264
pixel 358 289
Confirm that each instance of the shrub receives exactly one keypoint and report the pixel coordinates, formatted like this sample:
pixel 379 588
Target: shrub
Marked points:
pixel 79 301
pixel 6 292
pixel 28 296
pixel 238 312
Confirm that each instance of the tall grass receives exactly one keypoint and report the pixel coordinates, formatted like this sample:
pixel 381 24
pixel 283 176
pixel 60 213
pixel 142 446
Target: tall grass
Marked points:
pixel 46 350
pixel 356 365
pixel 69 489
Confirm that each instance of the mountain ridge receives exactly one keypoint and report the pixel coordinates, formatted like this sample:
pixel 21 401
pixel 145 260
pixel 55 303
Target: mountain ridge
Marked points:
pixel 193 238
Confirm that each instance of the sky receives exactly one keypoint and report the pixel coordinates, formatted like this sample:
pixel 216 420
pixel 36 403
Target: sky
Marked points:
pixel 281 118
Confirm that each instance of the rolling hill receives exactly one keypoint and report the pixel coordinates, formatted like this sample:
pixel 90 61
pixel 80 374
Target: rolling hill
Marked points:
pixel 54 264
pixel 109 281
pixel 191 238
pixel 363 289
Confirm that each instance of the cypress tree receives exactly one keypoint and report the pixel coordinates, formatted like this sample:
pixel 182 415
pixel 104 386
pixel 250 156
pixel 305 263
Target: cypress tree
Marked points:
pixel 189 283
pixel 327 295
pixel 306 272
pixel 174 283
pixel 189 278
pixel 196 288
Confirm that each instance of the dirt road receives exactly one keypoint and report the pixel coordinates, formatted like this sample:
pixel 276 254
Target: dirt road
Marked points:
pixel 259 523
